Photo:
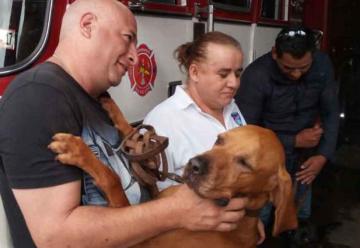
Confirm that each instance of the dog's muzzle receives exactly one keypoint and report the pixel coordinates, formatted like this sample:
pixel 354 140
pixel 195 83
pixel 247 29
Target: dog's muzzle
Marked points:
pixel 195 169
pixel 198 166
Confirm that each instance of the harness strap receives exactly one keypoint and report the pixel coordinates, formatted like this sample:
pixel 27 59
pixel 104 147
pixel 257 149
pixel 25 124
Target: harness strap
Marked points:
pixel 146 145
pixel 145 151
pixel 175 177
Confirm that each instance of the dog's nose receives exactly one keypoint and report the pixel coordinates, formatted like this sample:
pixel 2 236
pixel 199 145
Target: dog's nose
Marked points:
pixel 199 165
pixel 222 202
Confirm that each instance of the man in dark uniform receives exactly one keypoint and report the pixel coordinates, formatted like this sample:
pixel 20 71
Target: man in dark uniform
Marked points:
pixel 291 90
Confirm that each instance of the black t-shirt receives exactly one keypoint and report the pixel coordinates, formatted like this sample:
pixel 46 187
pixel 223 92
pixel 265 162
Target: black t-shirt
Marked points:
pixel 37 104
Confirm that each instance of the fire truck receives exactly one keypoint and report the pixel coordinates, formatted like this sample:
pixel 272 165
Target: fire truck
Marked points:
pixel 29 33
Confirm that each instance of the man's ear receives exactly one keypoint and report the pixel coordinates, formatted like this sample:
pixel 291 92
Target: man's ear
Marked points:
pixel 273 53
pixel 87 24
pixel 194 72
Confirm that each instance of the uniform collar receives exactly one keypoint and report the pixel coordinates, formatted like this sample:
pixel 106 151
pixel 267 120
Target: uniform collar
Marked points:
pixel 183 98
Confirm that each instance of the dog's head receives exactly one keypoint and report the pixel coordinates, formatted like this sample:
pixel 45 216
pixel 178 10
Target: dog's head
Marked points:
pixel 246 161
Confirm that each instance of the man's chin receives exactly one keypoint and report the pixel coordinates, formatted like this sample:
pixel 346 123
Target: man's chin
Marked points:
pixel 293 79
pixel 116 80
pixel 115 83
pixel 226 102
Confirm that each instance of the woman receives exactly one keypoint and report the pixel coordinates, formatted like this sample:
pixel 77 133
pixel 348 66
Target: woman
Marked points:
pixel 203 107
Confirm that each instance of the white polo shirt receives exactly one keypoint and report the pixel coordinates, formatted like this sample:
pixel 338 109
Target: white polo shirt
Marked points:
pixel 190 131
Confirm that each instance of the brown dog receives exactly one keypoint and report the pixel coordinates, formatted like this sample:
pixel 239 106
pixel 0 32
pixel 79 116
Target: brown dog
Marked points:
pixel 246 161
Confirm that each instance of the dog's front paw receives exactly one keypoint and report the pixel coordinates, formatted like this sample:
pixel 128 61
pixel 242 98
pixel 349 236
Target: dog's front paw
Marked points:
pixel 71 150
pixel 111 108
pixel 116 115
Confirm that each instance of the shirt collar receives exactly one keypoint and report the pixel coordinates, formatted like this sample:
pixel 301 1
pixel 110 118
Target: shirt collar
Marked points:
pixel 229 108
pixel 184 100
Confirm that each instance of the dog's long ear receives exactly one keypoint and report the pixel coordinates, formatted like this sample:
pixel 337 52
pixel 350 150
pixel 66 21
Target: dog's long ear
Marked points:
pixel 283 199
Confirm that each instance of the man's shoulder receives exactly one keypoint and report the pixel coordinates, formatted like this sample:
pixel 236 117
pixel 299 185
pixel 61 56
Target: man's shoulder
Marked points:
pixel 321 58
pixel 321 68
pixel 263 64
pixel 39 73
pixel 262 61
pixel 259 71
pixel 45 75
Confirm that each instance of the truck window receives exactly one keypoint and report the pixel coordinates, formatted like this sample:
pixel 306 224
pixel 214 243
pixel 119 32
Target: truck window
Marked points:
pixel 164 1
pixel 271 9
pixel 171 2
pixel 22 25
pixel 233 5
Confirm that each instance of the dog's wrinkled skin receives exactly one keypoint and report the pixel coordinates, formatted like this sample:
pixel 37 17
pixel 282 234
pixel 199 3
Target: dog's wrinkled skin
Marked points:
pixel 246 161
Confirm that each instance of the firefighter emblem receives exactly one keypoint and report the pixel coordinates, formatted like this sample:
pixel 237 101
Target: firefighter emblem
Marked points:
pixel 142 76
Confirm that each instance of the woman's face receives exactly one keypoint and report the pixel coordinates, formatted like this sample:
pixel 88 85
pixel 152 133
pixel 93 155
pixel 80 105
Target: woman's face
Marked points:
pixel 217 78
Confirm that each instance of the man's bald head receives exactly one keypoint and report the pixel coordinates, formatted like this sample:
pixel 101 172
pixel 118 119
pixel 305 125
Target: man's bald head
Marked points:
pixel 102 10
pixel 97 43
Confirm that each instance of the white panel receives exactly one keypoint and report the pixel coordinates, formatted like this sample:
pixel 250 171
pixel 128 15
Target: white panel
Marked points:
pixel 163 36
pixel 241 32
pixel 5 239
pixel 5 11
pixel 264 39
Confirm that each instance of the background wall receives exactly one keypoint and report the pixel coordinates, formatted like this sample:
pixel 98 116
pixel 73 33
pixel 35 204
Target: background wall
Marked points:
pixel 163 36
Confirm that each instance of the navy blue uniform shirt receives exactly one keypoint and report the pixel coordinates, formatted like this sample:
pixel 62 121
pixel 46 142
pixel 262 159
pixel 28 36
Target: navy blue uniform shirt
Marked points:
pixel 266 97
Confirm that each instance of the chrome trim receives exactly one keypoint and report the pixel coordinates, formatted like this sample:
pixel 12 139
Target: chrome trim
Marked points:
pixel 232 8
pixel 39 48
pixel 136 4
pixel 209 10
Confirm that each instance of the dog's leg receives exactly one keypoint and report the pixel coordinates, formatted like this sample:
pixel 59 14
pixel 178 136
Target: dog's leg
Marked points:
pixel 125 130
pixel 116 116
pixel 73 151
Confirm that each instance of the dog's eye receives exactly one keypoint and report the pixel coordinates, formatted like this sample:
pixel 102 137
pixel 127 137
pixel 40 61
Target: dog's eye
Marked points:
pixel 219 141
pixel 242 162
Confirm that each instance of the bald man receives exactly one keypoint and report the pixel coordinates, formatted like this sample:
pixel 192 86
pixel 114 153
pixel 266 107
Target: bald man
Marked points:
pixel 51 205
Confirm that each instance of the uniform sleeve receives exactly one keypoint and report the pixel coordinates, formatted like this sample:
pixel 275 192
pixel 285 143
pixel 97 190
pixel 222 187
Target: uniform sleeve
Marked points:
pixel 329 107
pixel 250 96
pixel 29 117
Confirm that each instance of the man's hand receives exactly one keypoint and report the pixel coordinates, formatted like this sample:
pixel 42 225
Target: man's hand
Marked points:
pixel 204 214
pixel 309 137
pixel 261 231
pixel 310 169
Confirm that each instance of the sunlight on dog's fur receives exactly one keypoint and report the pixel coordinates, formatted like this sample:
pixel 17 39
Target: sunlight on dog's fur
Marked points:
pixel 245 161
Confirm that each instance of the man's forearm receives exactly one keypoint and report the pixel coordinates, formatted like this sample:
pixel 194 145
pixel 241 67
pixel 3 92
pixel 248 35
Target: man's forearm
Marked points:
pixel 91 226
pixel 55 218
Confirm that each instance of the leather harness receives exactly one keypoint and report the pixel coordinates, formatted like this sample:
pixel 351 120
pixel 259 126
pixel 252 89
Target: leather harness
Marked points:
pixel 145 151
